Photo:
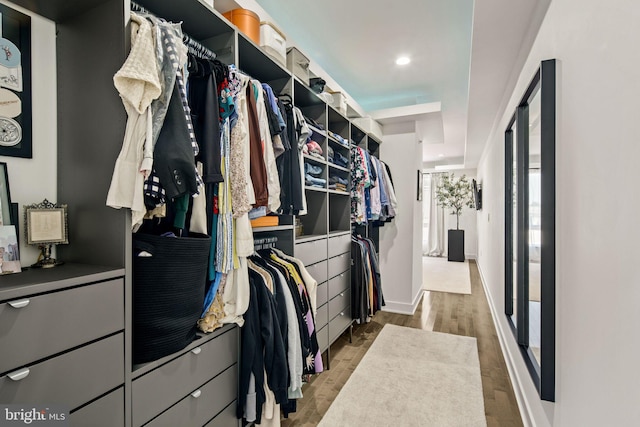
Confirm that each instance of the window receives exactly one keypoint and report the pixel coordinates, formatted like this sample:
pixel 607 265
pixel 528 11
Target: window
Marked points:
pixel 530 228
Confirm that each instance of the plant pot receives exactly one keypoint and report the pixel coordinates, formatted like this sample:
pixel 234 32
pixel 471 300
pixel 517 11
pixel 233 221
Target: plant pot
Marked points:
pixel 455 245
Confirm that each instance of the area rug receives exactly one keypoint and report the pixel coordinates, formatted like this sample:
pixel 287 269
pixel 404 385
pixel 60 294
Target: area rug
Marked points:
pixel 440 275
pixel 412 377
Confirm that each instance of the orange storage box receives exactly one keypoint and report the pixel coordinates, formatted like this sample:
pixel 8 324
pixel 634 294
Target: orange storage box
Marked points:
pixel 247 21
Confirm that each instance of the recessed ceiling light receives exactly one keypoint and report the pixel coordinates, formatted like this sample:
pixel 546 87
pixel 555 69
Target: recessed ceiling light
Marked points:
pixel 440 155
pixel 403 60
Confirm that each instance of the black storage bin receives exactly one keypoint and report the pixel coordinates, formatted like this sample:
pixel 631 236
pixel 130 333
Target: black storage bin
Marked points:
pixel 168 292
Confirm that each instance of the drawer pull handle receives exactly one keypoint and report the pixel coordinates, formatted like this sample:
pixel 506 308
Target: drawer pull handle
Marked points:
pixel 20 303
pixel 19 375
pixel 196 350
pixel 196 394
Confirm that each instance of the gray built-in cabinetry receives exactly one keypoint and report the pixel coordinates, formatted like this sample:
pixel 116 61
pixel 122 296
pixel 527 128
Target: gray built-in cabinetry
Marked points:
pixel 65 333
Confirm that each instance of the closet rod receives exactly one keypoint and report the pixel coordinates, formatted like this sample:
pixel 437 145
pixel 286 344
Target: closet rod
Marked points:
pixel 264 243
pixel 187 39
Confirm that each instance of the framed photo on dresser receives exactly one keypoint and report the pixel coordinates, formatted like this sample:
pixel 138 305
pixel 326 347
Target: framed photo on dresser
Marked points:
pixel 5 196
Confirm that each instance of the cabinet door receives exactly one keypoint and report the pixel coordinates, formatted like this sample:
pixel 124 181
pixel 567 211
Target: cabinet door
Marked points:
pixel 322 317
pixel 339 264
pixel 311 252
pixel 44 325
pixel 108 411
pixel 339 324
pixel 163 387
pixel 339 303
pixel 201 404
pixel 322 295
pixel 318 271
pixel 70 379
pixel 339 284
pixel 339 245
pixel 323 338
pixel 226 418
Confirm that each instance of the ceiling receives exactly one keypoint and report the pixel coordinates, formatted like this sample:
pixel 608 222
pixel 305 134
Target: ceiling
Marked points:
pixel 465 58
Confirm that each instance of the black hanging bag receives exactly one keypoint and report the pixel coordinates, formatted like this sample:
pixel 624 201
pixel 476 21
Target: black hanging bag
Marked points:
pixel 169 276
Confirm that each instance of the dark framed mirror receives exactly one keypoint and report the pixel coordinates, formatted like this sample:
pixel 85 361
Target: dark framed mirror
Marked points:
pixel 530 227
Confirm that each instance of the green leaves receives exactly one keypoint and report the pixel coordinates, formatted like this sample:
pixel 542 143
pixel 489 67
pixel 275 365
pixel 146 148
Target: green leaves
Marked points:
pixel 454 193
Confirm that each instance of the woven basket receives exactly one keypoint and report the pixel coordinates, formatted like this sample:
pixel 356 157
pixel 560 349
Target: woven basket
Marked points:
pixel 168 293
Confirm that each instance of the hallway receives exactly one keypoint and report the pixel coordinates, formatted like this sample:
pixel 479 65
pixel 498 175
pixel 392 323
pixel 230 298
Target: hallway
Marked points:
pixel 467 315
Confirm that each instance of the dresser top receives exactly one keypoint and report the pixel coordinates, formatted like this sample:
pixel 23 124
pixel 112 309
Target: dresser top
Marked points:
pixel 40 280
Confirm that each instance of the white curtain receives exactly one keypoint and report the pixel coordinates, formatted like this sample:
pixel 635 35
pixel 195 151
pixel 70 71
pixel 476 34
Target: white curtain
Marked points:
pixel 435 243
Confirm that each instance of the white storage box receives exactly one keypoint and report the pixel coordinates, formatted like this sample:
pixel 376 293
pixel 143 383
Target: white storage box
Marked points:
pixel 298 64
pixel 273 42
pixel 369 125
pixel 339 102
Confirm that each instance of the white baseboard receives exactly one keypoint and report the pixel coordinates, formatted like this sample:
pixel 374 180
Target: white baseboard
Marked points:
pixel 403 307
pixel 525 410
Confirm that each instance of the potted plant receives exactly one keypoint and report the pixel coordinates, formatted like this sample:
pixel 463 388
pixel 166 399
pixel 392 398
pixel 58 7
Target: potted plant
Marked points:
pixel 455 193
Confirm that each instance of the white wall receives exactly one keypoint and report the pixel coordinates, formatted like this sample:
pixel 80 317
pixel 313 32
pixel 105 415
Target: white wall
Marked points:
pixel 30 180
pixel 400 240
pixel 597 314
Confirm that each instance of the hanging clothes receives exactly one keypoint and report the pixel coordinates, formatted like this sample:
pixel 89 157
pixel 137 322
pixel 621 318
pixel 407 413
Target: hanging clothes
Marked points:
pixel 359 181
pixel 258 168
pixel 366 282
pixel 138 84
pixel 291 178
pixel 282 310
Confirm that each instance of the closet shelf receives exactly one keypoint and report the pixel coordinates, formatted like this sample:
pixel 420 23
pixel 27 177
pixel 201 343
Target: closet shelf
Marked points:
pixel 272 228
pixel 340 168
pixel 317 130
pixel 317 189
pixel 257 63
pixel 315 159
pixel 310 237
pixel 336 233
pixel 336 142
pixel 341 193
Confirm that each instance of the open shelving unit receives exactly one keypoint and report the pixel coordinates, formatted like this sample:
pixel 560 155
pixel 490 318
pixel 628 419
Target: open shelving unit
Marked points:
pixel 92 43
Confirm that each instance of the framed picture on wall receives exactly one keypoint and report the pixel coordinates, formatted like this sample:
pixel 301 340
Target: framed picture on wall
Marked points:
pixel 5 197
pixel 15 83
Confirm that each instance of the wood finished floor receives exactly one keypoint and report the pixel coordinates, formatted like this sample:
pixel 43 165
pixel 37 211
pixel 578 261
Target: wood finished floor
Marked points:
pixel 467 315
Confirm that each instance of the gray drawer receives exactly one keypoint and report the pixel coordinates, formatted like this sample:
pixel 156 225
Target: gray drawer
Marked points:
pixel 322 317
pixel 70 379
pixel 339 245
pixel 201 404
pixel 339 324
pixel 322 295
pixel 108 411
pixel 159 389
pixel 323 338
pixel 318 271
pixel 339 303
pixel 311 252
pixel 33 328
pixel 226 418
pixel 339 264
pixel 339 284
